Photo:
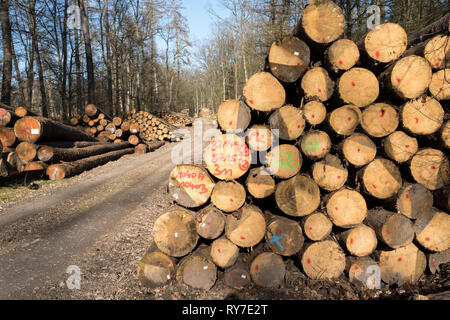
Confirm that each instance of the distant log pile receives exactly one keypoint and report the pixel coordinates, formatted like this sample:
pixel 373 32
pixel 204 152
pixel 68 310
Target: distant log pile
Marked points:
pixel 358 183
pixel 177 119
pixel 37 147
pixel 135 127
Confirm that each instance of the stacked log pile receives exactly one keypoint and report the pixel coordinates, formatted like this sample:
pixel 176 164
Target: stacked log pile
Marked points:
pixel 147 127
pixel 177 119
pixel 40 147
pixel 358 184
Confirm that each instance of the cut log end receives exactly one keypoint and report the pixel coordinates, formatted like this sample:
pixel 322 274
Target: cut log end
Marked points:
pixel 233 115
pixel 360 241
pixel 190 186
pixel 228 196
pixel 246 228
pixel 289 59
pixel 155 270
pixel 347 208
pixel 284 236
pixel 287 122
pixel 410 77
pixel 380 120
pixel 259 138
pixel 315 144
pixel 263 92
pixel 260 183
pixel 440 85
pixel 317 227
pixel 400 147
pixel 403 265
pixel 381 50
pixel 430 167
pixel 414 200
pixel 298 197
pixel 284 161
pixel 211 223
pixel 382 179
pixel 315 112
pixel 175 233
pixel 432 230
pixel 317 83
pixel 323 22
pixel 268 270
pixel 343 55
pixel 437 51
pixel 345 120
pixel 224 253
pixel 359 150
pixel 329 173
pixel 359 87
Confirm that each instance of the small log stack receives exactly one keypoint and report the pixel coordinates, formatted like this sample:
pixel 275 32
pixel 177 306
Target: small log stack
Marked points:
pixel 358 182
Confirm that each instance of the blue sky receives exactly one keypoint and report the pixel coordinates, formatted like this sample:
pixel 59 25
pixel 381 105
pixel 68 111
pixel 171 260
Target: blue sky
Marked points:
pixel 199 18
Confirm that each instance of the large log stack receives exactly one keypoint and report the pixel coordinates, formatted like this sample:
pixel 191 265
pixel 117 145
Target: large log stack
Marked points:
pixel 37 147
pixel 358 183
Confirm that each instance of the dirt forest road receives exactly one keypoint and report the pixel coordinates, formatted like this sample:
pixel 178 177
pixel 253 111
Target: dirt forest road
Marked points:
pixel 43 234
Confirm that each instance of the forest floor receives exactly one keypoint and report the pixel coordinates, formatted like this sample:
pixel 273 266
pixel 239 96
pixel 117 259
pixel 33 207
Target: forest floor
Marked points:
pixel 101 222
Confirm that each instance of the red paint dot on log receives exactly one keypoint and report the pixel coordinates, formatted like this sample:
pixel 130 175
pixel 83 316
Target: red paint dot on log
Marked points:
pixel 417 120
pixel 337 209
pixel 259 183
pixel 183 193
pixel 231 122
pixel 374 186
pixel 257 268
pixel 298 64
pixel 341 62
pixel 433 168
pixel 218 250
pixel 434 266
pixel 407 196
pixel 323 149
pixel 353 84
pixel 441 89
pixel 437 64
pixel 382 114
pixel 349 119
pixel 231 200
pixel 399 259
pixel 339 177
pixel 299 126
pixel 377 54
pixel 313 116
pixel 182 271
pixel 427 239
pixel 281 232
pixel 308 261
pixel 252 102
pixel 399 80
pixel 407 146
pixel 310 228
pixel 242 238
pixel 351 241
pixel 356 267
pixel 320 90
pixel 159 262
pixel 388 232
pixel 208 223
pixel 324 39
pixel 359 150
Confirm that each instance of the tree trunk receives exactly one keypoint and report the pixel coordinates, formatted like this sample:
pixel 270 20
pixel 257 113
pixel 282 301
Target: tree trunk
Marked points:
pixel 7 52
pixel 32 129
pixel 88 48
